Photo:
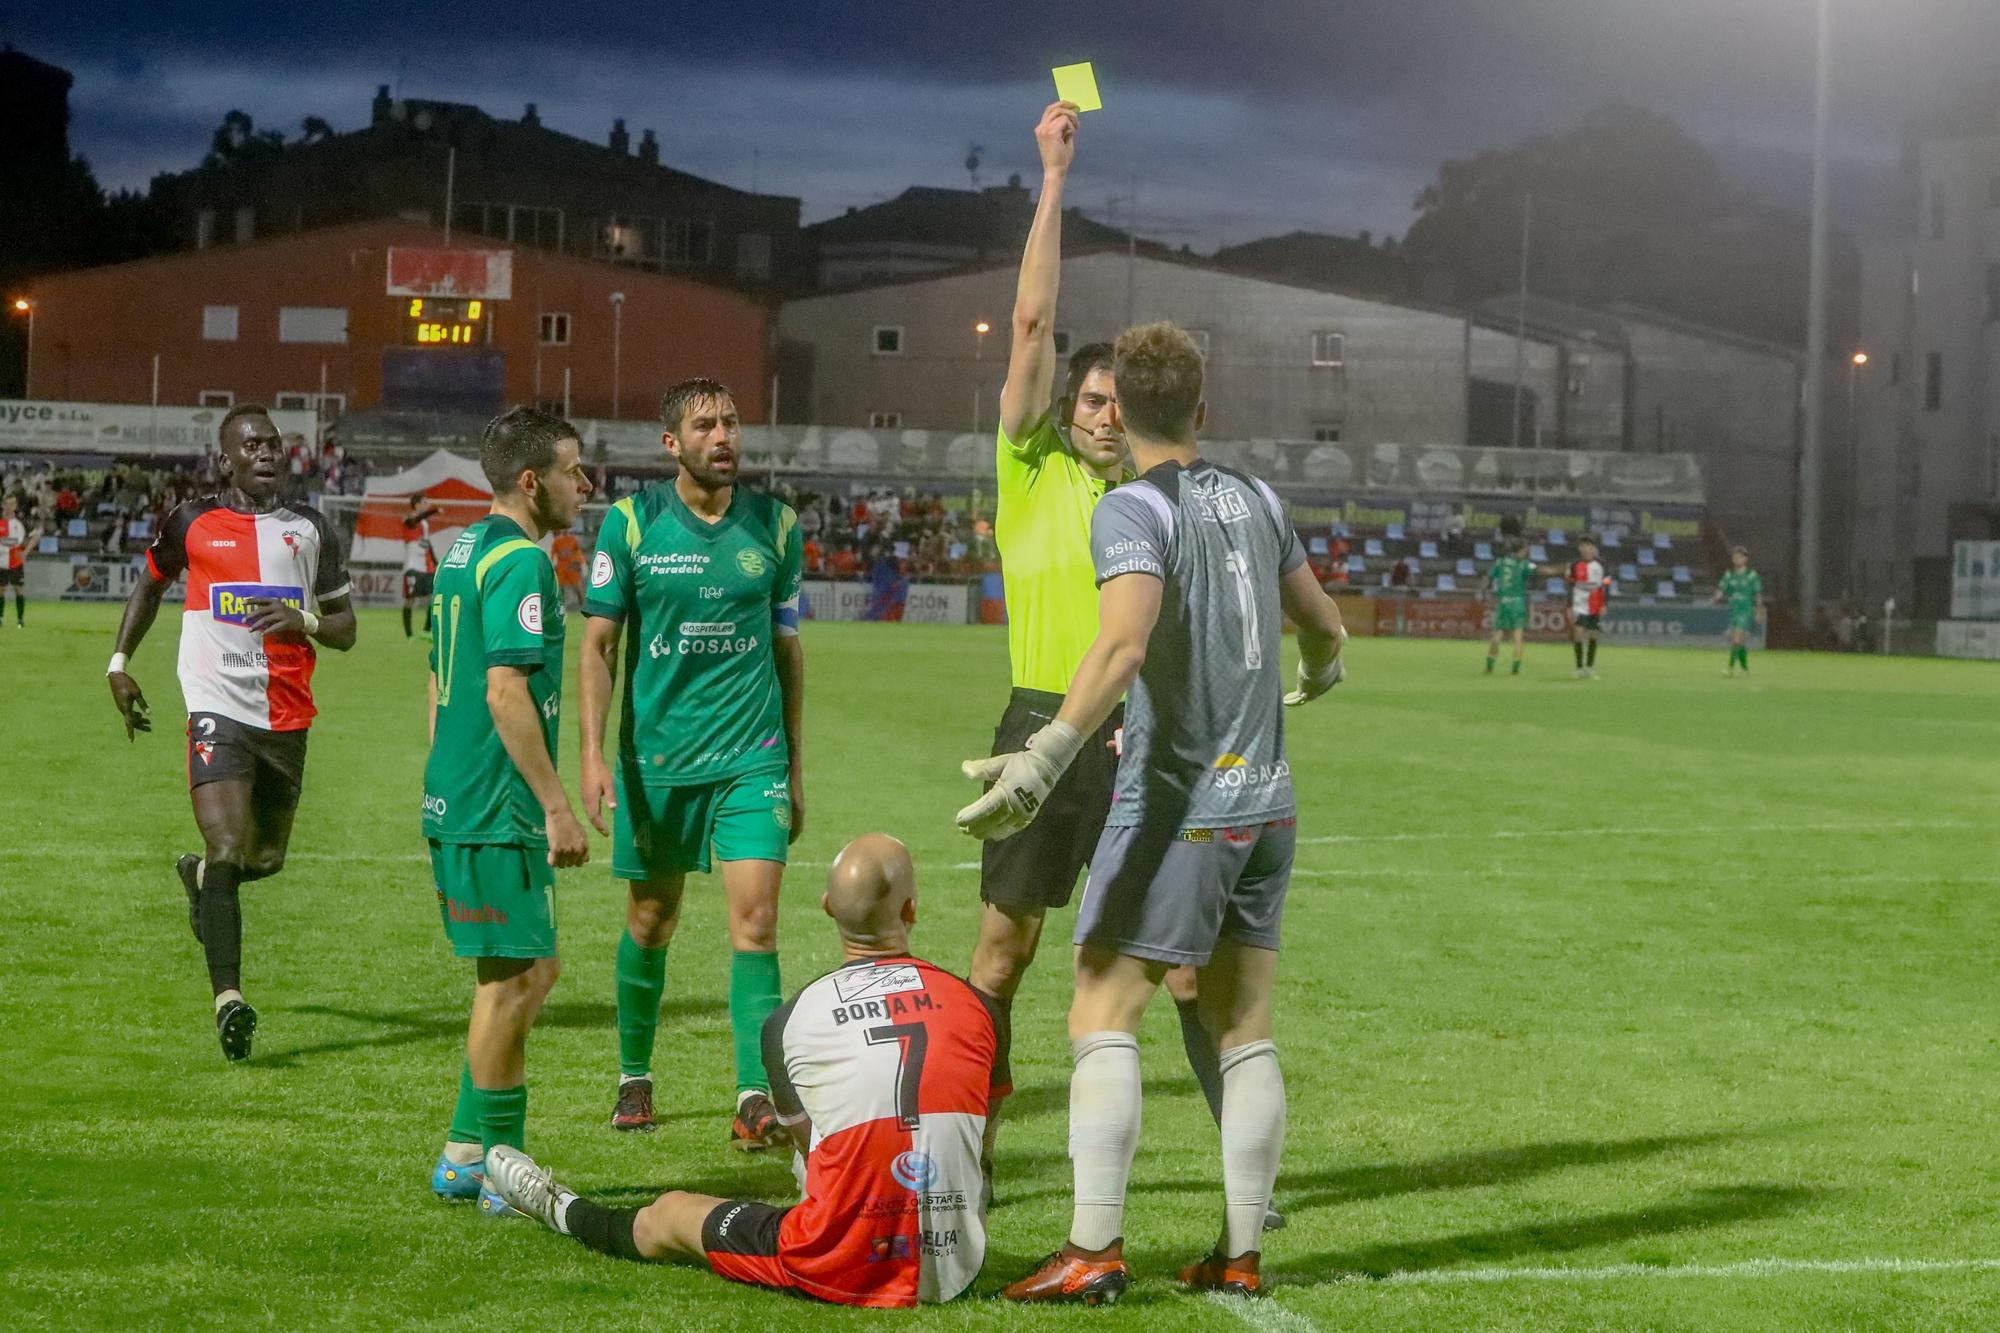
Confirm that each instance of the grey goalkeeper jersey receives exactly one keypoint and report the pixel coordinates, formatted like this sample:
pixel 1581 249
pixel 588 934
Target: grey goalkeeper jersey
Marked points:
pixel 1204 723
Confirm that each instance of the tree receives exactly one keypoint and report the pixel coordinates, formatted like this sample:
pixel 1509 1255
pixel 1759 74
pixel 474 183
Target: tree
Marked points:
pixel 313 129
pixel 237 139
pixel 1627 208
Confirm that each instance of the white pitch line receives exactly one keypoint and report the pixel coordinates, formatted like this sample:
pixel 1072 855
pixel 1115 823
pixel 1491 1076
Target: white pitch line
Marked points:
pixel 1614 1272
pixel 1645 830
pixel 1266 1315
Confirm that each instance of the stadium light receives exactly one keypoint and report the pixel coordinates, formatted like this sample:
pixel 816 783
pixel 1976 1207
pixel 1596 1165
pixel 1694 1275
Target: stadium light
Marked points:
pixel 1861 358
pixel 23 306
pixel 982 328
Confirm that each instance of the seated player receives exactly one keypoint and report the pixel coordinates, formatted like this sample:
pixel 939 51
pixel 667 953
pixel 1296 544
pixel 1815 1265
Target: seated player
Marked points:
pixel 882 1071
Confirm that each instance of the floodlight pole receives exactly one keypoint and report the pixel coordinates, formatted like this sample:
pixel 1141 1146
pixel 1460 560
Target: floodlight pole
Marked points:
pixel 1521 315
pixel 617 330
pixel 1815 377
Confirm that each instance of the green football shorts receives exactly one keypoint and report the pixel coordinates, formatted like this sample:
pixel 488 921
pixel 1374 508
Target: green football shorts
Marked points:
pixel 496 901
pixel 1743 620
pixel 1510 616
pixel 661 831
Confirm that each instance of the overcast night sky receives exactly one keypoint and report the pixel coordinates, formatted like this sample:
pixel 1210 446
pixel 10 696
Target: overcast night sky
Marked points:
pixel 1237 120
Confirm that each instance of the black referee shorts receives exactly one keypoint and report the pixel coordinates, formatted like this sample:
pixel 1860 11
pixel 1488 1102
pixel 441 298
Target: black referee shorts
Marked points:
pixel 1036 869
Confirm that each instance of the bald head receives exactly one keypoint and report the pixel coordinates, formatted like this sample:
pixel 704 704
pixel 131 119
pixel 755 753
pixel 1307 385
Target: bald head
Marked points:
pixel 871 892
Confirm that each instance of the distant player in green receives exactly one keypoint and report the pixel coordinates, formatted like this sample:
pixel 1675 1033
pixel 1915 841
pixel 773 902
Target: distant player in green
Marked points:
pixel 1743 588
pixel 495 814
pixel 1507 582
pixel 700 578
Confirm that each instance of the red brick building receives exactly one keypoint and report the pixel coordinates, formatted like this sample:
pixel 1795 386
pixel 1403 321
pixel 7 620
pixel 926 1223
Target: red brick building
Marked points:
pixel 282 321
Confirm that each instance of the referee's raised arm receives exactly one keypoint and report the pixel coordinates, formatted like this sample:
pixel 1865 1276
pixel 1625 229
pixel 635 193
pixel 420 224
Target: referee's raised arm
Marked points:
pixel 1031 359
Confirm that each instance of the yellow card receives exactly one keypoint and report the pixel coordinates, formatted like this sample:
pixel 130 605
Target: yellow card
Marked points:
pixel 1076 83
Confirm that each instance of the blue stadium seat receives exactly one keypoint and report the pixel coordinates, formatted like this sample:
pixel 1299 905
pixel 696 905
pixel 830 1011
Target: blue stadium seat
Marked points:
pixel 1483 551
pixel 1317 546
pixel 1666 588
pixel 48 546
pixel 1538 553
pixel 1682 574
pixel 1629 573
pixel 1662 542
pixel 78 528
pixel 1554 585
pixel 1556 537
pixel 1356 565
pixel 1466 569
pixel 1446 583
pixel 141 529
pixel 1646 557
pixel 1394 532
pixel 1373 546
pixel 1428 550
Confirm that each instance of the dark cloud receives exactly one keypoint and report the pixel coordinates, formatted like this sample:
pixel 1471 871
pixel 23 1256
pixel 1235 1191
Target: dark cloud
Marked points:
pixel 1236 119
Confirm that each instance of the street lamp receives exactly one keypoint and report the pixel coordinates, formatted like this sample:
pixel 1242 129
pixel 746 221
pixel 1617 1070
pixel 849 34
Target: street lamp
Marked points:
pixel 23 306
pixel 979 330
pixel 617 331
pixel 1854 365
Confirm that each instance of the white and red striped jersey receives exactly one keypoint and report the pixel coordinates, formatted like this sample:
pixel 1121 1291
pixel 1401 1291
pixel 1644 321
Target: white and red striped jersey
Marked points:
pixel 230 557
pixel 13 543
pixel 418 557
pixel 895 1063
pixel 1589 587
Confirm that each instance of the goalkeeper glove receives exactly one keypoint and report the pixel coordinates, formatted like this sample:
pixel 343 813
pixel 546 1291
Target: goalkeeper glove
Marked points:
pixel 1021 782
pixel 1312 684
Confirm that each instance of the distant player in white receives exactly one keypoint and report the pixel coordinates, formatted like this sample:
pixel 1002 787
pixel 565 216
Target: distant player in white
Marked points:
pixel 15 539
pixel 1589 591
pixel 1198 567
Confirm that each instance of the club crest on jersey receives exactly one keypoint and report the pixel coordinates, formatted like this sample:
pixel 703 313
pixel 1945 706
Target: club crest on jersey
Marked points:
pixel 913 1170
pixel 530 613
pixel 600 570
pixel 291 540
pixel 205 751
pixel 750 561
pixel 229 603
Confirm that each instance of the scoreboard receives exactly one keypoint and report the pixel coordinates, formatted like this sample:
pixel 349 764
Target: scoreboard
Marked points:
pixel 431 321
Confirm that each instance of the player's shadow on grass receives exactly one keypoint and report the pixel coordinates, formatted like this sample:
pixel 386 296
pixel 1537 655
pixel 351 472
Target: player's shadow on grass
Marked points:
pixel 1473 1170
pixel 409 1027
pixel 1720 1206
pixel 1306 1191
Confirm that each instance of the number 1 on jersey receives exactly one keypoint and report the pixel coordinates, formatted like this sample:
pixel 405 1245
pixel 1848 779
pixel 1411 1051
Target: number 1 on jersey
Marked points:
pixel 1246 604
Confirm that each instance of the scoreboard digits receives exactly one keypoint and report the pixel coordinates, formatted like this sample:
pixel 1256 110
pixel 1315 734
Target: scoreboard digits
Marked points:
pixel 432 322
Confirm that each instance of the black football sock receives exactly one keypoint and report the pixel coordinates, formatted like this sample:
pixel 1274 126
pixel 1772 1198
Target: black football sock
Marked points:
pixel 427 617
pixel 1202 1056
pixel 406 622
pixel 1591 657
pixel 222 925
pixel 606 1230
pixel 1578 645
pixel 20 607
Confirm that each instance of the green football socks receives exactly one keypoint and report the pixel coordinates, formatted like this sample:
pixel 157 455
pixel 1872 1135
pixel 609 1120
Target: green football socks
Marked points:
pixel 487 1116
pixel 642 979
pixel 503 1116
pixel 753 993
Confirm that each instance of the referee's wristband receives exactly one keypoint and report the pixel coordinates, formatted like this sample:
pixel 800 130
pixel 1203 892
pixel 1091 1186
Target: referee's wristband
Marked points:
pixel 118 663
pixel 311 622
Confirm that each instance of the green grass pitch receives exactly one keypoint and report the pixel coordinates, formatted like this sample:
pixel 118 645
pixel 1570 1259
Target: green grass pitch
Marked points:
pixel 1664 970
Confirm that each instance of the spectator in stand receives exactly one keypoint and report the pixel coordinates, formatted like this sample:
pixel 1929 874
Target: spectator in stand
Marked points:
pixel 813 555
pixel 1399 577
pixel 67 505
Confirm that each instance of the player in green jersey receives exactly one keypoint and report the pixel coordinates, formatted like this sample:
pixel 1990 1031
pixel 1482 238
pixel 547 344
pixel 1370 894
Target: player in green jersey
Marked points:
pixel 495 814
pixel 1507 582
pixel 700 579
pixel 1743 588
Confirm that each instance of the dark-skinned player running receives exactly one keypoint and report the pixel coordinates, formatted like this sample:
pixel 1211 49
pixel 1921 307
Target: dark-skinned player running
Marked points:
pixel 265 583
